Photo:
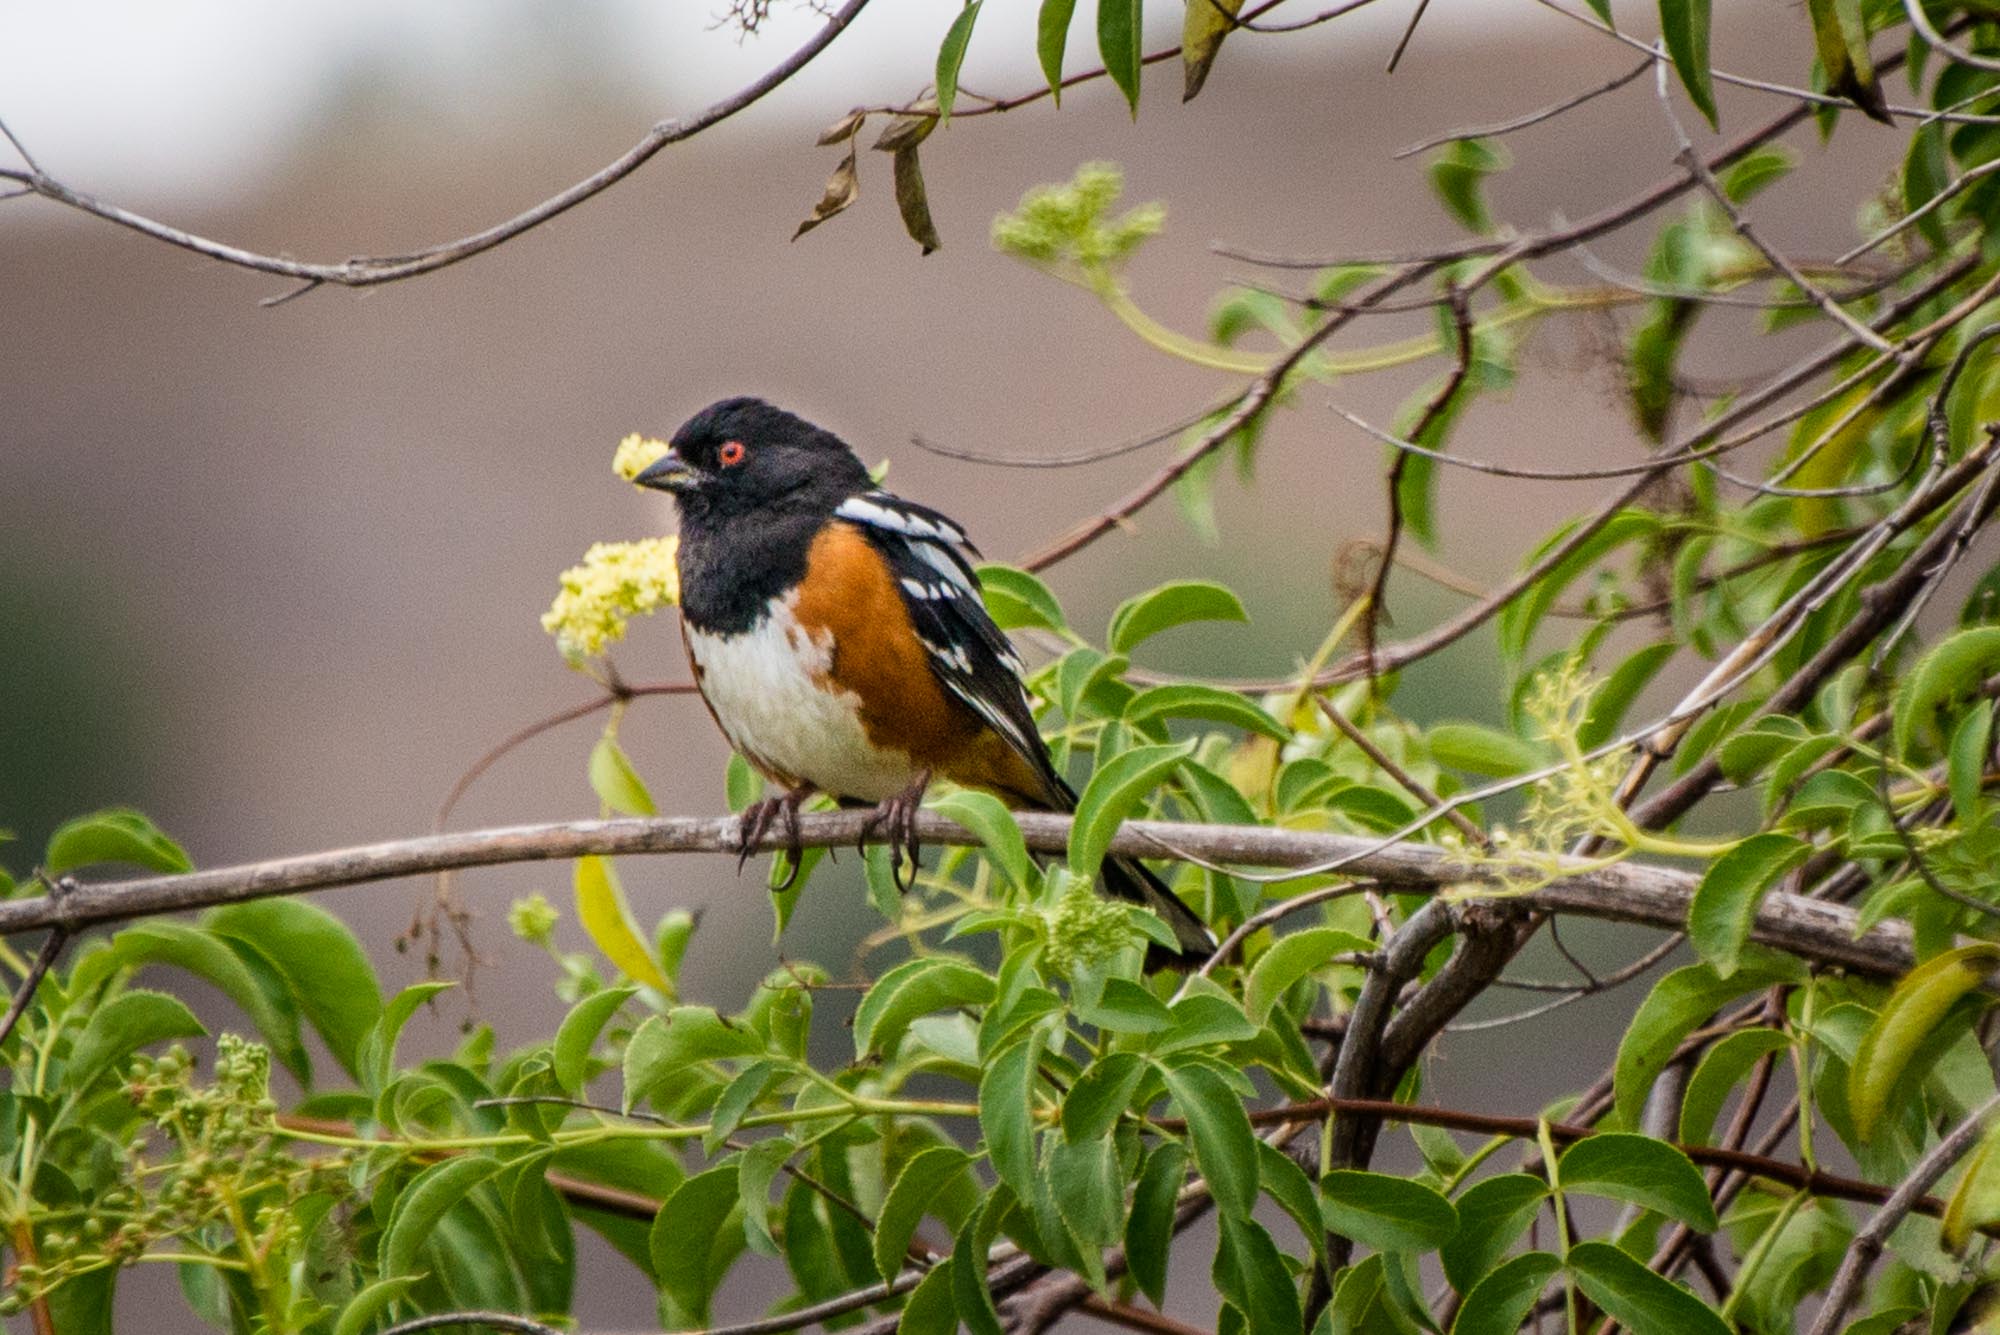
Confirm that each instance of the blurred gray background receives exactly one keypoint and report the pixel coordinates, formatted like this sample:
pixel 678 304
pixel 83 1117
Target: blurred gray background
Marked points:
pixel 274 575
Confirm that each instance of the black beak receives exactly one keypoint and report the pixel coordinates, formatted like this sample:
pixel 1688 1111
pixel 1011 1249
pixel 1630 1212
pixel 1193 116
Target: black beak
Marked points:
pixel 669 472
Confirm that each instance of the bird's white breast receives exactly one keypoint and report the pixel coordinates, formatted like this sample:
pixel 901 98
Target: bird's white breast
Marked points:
pixel 766 688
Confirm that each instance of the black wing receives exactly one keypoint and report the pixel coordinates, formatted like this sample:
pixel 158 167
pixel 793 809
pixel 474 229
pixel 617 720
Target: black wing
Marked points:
pixel 929 556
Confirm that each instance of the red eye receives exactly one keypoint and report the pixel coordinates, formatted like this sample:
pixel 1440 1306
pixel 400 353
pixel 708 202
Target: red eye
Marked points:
pixel 731 453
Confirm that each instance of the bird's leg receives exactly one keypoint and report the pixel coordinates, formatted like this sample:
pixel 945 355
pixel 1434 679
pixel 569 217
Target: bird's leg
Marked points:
pixel 755 823
pixel 898 813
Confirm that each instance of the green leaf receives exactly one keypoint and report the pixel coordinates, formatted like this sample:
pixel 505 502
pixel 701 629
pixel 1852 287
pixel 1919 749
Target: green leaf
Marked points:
pixel 362 1309
pixel 1014 598
pixel 1205 1019
pixel 913 988
pixel 1458 176
pixel 987 816
pixel 1390 1214
pixel 666 1045
pixel 1840 35
pixel 1087 683
pixel 1051 37
pixel 1145 615
pixel 1520 617
pixel 377 1053
pixel 1952 669
pixel 1192 700
pixel 1499 1303
pixel 1088 1188
pixel 735 1102
pixel 1100 1094
pixel 1635 1297
pixel 1482 750
pixel 930 1308
pixel 1127 1008
pixel 690 1242
pixel 1975 1201
pixel 1640 1171
pixel 968 1263
pixel 1614 696
pixel 600 905
pixel 116 834
pixel 1119 29
pixel 329 974
pixel 1677 1004
pixel 916 1189
pixel 1491 1215
pixel 1725 903
pixel 1225 1149
pixel 120 1027
pixel 741 784
pixel 424 1202
pixel 951 55
pixel 1203 27
pixel 1743 179
pixel 1114 792
pixel 578 1034
pixel 1968 761
pixel 1291 958
pixel 1006 1114
pixel 1149 1232
pixel 1250 1272
pixel 615 782
pixel 1725 1063
pixel 1286 1183
pixel 1684 23
pixel 1911 1013
pixel 212 957
pixel 1926 173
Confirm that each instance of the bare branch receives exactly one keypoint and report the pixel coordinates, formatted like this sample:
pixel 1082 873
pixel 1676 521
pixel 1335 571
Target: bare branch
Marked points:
pixel 1622 892
pixel 1867 1244
pixel 1532 118
pixel 370 271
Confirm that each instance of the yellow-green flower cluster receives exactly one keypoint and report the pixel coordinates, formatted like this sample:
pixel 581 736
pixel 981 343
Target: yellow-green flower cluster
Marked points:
pixel 532 918
pixel 616 582
pixel 637 453
pixel 1058 223
pixel 1084 928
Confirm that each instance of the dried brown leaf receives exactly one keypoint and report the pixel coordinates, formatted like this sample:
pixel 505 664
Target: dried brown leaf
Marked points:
pixel 912 202
pixel 842 189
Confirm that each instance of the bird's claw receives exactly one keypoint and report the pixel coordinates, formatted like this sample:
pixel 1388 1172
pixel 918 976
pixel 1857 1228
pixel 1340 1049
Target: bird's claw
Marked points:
pixel 755 823
pixel 896 816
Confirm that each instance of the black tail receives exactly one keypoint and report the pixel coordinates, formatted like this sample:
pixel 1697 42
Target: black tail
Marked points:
pixel 1128 878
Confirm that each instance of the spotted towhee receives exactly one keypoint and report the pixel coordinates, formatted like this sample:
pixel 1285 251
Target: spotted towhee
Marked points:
pixel 838 637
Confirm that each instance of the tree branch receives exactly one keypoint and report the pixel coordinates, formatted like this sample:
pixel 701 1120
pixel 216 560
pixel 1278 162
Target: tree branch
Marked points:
pixel 1622 892
pixel 371 271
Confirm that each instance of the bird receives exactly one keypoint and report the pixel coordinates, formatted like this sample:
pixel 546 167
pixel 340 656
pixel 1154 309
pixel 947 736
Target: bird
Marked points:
pixel 838 638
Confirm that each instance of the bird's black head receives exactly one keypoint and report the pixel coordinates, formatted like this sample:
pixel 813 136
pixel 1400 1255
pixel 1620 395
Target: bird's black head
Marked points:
pixel 742 457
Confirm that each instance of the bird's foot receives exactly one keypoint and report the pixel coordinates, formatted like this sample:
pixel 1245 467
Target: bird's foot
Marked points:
pixel 755 823
pixel 896 816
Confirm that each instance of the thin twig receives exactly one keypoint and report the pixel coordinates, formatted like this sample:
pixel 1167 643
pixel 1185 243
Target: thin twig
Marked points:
pixel 45 959
pixel 1409 31
pixel 370 271
pixel 1532 118
pixel 1434 412
pixel 1692 160
pixel 1908 1196
pixel 1411 784
pixel 492 1320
